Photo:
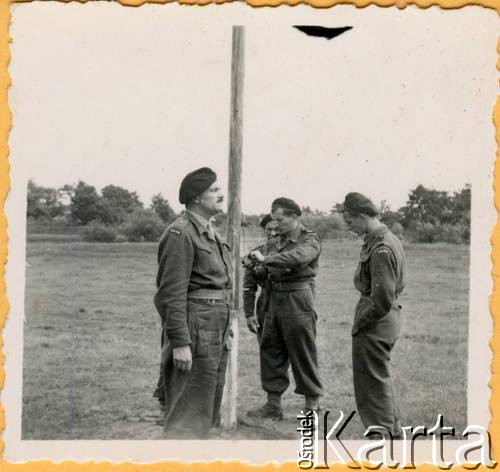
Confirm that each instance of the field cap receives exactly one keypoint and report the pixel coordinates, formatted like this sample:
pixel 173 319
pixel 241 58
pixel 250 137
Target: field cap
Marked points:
pixel 195 183
pixel 286 204
pixel 265 219
pixel 356 203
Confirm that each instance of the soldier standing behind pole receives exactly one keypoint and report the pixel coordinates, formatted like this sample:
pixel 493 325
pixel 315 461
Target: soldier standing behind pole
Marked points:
pixel 289 334
pixel 379 278
pixel 193 292
pixel 255 278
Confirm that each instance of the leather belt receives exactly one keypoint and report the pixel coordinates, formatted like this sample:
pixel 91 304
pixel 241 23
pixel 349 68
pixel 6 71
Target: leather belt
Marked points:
pixel 290 286
pixel 210 294
pixel 395 303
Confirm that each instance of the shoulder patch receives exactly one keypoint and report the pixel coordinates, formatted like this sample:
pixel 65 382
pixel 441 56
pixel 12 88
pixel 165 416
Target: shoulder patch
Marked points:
pixel 177 227
pixel 309 233
pixel 376 247
pixel 384 250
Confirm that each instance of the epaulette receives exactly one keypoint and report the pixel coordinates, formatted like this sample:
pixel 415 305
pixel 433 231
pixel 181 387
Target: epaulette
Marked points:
pixel 178 226
pixel 310 231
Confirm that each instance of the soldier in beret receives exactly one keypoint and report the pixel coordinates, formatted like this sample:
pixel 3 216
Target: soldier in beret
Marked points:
pixel 253 279
pixel 194 285
pixel 379 278
pixel 289 333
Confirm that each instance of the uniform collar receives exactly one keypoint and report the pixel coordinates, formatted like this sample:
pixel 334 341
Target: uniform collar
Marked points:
pixel 294 234
pixel 200 223
pixel 375 236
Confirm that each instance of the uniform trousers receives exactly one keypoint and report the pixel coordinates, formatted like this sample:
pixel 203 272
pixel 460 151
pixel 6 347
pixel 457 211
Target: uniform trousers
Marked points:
pixel 261 307
pixel 373 389
pixel 289 338
pixel 159 392
pixel 193 399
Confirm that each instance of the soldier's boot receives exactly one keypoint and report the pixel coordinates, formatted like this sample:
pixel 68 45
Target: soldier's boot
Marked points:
pixel 160 421
pixel 312 403
pixel 272 409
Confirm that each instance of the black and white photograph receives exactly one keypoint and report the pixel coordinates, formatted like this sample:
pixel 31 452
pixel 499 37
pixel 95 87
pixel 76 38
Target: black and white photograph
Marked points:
pixel 225 219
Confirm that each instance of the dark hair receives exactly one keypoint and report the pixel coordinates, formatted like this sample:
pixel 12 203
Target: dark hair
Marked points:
pixel 191 203
pixel 288 206
pixel 265 220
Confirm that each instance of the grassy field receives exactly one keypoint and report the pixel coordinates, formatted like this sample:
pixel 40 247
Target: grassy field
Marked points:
pixel 91 342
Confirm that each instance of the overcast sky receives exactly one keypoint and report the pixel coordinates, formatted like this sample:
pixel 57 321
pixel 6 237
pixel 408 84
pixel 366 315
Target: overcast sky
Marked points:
pixel 138 97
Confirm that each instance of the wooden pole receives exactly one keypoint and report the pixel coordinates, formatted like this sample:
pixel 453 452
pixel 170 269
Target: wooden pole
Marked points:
pixel 229 416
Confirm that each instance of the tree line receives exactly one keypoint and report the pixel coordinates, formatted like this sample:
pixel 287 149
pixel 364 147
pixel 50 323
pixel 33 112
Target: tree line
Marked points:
pixel 117 214
pixel 432 215
pixel 428 216
pixel 113 214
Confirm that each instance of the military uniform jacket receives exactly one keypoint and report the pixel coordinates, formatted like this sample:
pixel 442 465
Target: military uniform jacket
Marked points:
pixel 379 277
pixel 295 256
pixel 251 286
pixel 188 259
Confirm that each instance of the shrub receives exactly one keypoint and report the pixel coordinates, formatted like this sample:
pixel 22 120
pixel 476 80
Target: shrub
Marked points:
pixel 57 225
pixel 465 233
pixel 326 226
pixel 143 225
pixel 98 232
pixel 451 234
pixel 426 233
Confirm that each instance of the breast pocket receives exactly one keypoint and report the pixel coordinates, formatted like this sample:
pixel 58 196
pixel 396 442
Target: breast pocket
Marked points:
pixel 204 248
pixel 362 279
pixel 206 258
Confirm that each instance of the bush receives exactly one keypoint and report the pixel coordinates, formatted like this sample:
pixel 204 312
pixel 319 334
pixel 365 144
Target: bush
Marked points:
pixel 326 226
pixel 450 234
pixel 426 233
pixel 466 233
pixel 57 225
pixel 98 232
pixel 143 225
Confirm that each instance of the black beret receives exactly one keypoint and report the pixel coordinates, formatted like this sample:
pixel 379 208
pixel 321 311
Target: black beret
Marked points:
pixel 195 183
pixel 356 203
pixel 286 204
pixel 265 219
